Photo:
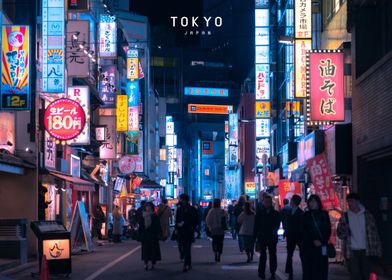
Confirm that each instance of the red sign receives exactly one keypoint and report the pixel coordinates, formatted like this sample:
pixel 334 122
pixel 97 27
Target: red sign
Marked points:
pixel 326 86
pixel 64 119
pixel 287 189
pixel 322 181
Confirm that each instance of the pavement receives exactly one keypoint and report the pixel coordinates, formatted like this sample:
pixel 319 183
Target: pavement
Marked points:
pixel 123 261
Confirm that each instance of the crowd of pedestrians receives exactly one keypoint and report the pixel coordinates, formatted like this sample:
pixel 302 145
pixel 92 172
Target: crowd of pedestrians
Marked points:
pixel 256 227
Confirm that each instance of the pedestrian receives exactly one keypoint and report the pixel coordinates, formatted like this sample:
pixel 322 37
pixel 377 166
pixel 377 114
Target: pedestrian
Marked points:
pixel 150 231
pixel 238 208
pixel 217 224
pixel 247 221
pixel 357 228
pixel 116 224
pixel 186 223
pixel 292 232
pixel 267 222
pixel 232 219
pixel 315 232
pixel 209 207
pixel 98 220
pixel 164 213
pixel 285 212
pixel 200 218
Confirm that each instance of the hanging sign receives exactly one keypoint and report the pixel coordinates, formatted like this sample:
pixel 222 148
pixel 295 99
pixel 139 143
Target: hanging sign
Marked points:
pixel 107 36
pixel 132 64
pixel 64 119
pixel 15 62
pixel 122 113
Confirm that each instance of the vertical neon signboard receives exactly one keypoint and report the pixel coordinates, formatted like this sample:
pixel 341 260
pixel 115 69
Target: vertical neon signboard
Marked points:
pixel 53 32
pixel 107 36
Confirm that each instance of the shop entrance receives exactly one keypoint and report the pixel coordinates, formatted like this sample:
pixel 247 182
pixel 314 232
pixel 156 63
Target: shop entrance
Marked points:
pixel 375 188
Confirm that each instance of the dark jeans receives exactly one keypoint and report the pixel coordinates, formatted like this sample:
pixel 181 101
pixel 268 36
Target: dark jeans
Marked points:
pixel 358 265
pixel 186 246
pixel 181 249
pixel 97 232
pixel 291 245
pixel 241 244
pixel 315 265
pixel 217 243
pixel 271 245
pixel 249 244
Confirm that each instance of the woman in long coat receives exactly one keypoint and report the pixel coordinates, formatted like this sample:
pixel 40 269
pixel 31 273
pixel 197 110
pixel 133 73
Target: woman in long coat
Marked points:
pixel 116 224
pixel 150 229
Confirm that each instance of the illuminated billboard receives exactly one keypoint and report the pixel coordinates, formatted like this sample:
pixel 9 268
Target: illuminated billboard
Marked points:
pixel 15 66
pixel 81 94
pixel 201 91
pixel 263 128
pixel 107 36
pixel 209 109
pixel 262 89
pixel 53 46
pixel 301 48
pixel 263 109
pixel 122 113
pixel 303 18
pixel 326 95
pixel 132 64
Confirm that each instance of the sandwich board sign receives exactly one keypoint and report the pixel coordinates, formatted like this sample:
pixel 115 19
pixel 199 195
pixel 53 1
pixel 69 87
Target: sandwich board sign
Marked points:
pixel 80 230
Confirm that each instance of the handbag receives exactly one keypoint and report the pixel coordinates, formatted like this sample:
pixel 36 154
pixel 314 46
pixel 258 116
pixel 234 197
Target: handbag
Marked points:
pixel 331 251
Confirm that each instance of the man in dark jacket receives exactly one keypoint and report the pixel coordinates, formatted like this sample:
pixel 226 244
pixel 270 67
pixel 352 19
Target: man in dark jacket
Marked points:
pixel 267 222
pixel 186 223
pixel 292 231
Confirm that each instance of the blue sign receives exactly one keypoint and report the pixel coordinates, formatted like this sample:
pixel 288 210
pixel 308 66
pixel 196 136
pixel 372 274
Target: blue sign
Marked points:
pixel 53 56
pixel 132 91
pixel 200 91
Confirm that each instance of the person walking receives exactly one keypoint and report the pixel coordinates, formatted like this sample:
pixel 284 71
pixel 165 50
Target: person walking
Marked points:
pixel 292 232
pixel 217 224
pixel 238 208
pixel 164 213
pixel 116 224
pixel 247 221
pixel 200 219
pixel 285 212
pixel 315 232
pixel 267 222
pixel 150 230
pixel 357 228
pixel 232 219
pixel 98 220
pixel 186 223
pixel 205 213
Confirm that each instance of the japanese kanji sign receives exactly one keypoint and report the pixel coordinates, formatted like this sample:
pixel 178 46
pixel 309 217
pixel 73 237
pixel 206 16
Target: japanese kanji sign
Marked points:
pixel 263 109
pixel 107 86
pixel 326 86
pixel 81 94
pixel 53 33
pixel 263 127
pixel 132 91
pixel 262 82
pixel 122 113
pixel 133 118
pixel 132 64
pixel 301 48
pixel 108 148
pixel 287 189
pixel 107 36
pixel 77 40
pixel 321 180
pixel 64 119
pixel 303 18
pixel 15 61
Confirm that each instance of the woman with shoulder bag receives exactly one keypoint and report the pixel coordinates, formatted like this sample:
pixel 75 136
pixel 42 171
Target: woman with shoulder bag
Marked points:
pixel 316 230
pixel 216 221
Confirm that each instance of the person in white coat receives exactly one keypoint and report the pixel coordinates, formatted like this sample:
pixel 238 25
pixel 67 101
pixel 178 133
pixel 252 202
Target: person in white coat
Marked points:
pixel 217 224
pixel 247 221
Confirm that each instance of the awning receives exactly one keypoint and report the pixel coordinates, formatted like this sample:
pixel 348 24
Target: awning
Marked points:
pixel 149 184
pixel 10 163
pixel 78 184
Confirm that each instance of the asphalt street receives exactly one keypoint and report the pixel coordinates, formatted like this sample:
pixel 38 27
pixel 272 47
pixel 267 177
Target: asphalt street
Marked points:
pixel 123 261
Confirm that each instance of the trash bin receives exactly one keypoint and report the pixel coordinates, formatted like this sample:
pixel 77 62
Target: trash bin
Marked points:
pixel 55 242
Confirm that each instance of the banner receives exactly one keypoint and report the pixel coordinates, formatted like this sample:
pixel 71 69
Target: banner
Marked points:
pixel 321 180
pixel 108 148
pixel 287 189
pixel 81 94
pixel 107 86
pixel 53 33
pixel 122 113
pixel 326 86
pixel 78 36
pixel 15 64
pixel 132 91
pixel 107 36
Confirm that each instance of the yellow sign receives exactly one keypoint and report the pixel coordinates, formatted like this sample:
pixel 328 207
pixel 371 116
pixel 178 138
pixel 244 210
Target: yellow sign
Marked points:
pixel 301 48
pixel 303 18
pixel 263 109
pixel 122 113
pixel 132 68
pixel 56 249
pixel 209 109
